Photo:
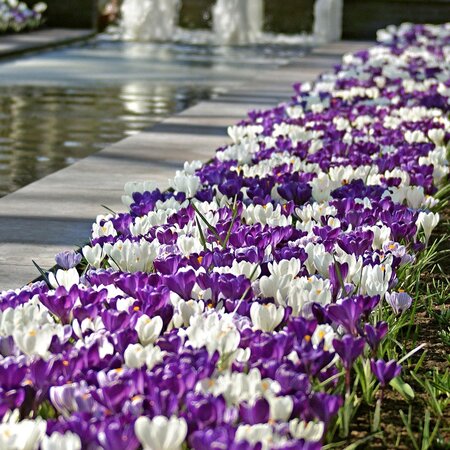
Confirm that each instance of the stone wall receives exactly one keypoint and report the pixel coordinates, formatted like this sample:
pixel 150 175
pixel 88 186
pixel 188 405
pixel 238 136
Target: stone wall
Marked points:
pixel 70 13
pixel 363 17
pixel 281 16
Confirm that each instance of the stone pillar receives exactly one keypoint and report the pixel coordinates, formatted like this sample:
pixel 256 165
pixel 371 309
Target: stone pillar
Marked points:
pixel 328 20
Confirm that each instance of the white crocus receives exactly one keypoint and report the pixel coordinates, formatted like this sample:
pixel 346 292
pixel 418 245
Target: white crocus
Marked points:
pixel 303 292
pixel 266 317
pixel 142 225
pixel 250 270
pixel 189 245
pixel 309 431
pixel 322 260
pixel 428 222
pixel 437 136
pixel 87 325
pixel 276 287
pixel 238 387
pixel 107 229
pixel 136 356
pixel 381 234
pixel 321 187
pixel 281 408
pixel 148 329
pixel 323 334
pixel 260 433
pixel 265 215
pixel 415 196
pixel 375 279
pixel 25 435
pixel 34 339
pixel 215 332
pixel 161 433
pixel 284 267
pixel 130 256
pixel 354 264
pixel 94 255
pixel 58 441
pixel 66 278
pixel 185 310
pixel 183 182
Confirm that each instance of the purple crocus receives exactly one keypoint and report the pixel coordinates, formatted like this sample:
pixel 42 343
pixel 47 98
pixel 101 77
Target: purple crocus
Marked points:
pixel 385 371
pixel 375 334
pixel 347 313
pixel 348 348
pixel 253 413
pixel 68 259
pixel 399 301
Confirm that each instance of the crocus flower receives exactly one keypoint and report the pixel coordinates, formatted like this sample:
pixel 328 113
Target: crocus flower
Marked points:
pixel 348 348
pixel 375 334
pixel 399 301
pixel 385 371
pixel 161 433
pixel 68 259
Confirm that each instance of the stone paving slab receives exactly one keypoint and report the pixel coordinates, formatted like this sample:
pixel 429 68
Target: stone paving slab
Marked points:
pixel 56 212
pixel 19 43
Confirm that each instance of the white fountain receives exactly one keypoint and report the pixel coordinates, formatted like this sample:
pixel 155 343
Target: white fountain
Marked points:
pixel 149 20
pixel 238 22
pixel 235 22
pixel 328 20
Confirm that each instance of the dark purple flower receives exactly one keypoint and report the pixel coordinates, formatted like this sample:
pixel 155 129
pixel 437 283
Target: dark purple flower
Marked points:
pixel 347 313
pixel 258 412
pixel 375 334
pixel 385 371
pixel 348 348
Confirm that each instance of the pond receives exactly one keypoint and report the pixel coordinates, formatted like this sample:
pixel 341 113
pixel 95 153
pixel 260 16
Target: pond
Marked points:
pixel 59 106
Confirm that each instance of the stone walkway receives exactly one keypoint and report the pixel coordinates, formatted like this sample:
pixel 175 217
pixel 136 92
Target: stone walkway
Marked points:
pixel 16 44
pixel 56 212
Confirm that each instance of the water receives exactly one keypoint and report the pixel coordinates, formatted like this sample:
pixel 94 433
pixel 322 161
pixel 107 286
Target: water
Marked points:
pixel 61 106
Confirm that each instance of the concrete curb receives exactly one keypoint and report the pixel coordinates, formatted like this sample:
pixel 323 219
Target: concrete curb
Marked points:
pixel 48 38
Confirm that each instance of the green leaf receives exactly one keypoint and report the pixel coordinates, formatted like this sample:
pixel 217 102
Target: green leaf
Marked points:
pixel 404 389
pixel 233 220
pixel 202 236
pixel 42 272
pixel 359 442
pixel 108 209
pixel 208 225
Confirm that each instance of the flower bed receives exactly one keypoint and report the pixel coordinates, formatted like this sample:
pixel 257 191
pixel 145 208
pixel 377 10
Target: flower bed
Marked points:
pixel 252 305
pixel 15 16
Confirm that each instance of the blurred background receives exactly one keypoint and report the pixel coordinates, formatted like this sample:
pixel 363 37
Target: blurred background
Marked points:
pixel 361 18
pixel 63 104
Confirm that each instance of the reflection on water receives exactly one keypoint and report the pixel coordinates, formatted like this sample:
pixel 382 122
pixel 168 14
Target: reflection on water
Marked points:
pixel 63 105
pixel 43 129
